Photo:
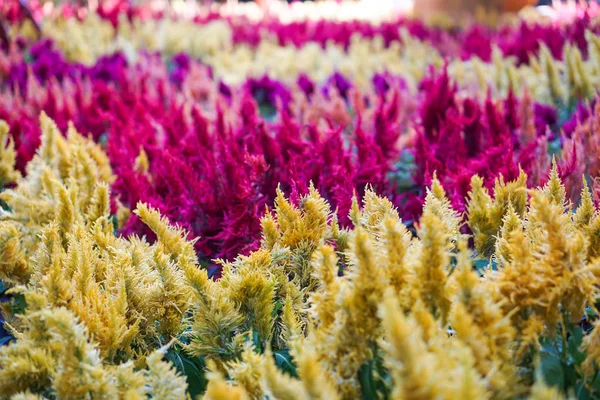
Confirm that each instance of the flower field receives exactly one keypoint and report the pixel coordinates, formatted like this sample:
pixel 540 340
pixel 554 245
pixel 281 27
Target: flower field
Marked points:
pixel 230 205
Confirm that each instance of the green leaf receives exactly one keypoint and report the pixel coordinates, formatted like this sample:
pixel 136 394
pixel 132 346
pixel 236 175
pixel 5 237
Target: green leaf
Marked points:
pixel 596 384
pixel 19 304
pixel 191 368
pixel 574 344
pixel 382 376
pixel 283 360
pixel 581 392
pixel 276 308
pixel 3 287
pixel 115 224
pixel 551 346
pixel 367 384
pixel 256 341
pixel 552 370
pixel 571 376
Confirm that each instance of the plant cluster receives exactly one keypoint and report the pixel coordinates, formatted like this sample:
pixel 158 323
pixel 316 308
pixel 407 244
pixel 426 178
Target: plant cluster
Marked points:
pixel 226 207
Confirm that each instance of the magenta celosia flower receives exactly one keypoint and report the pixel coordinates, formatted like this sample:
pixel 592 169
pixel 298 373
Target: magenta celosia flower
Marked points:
pixel 459 137
pixel 581 114
pixel 477 41
pixel 215 162
pixel 215 176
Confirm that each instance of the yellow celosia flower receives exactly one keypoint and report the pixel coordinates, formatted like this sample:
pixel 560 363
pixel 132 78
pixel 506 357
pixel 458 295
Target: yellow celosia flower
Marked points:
pixel 591 346
pixel 437 204
pixel 106 299
pixel 395 245
pixel 541 391
pixel 247 372
pixel 432 261
pixel 27 396
pixel 420 373
pixel 8 174
pixel 41 196
pixel 170 237
pixel 142 165
pixel 98 306
pixel 482 325
pixel 316 380
pixel 325 264
pixel 278 384
pixel 485 215
pixel 56 350
pixel 219 389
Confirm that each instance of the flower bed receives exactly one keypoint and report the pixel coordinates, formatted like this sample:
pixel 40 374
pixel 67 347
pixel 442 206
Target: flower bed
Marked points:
pixel 326 209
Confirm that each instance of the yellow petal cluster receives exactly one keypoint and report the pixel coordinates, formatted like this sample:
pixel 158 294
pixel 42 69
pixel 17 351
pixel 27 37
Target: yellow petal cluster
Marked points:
pixel 97 307
pixel 94 313
pixel 417 304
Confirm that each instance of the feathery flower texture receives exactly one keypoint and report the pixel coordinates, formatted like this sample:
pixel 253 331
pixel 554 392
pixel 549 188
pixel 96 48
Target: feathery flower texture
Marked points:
pixel 244 206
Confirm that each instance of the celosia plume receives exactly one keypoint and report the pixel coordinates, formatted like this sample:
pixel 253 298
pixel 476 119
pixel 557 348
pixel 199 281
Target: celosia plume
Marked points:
pixel 236 208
